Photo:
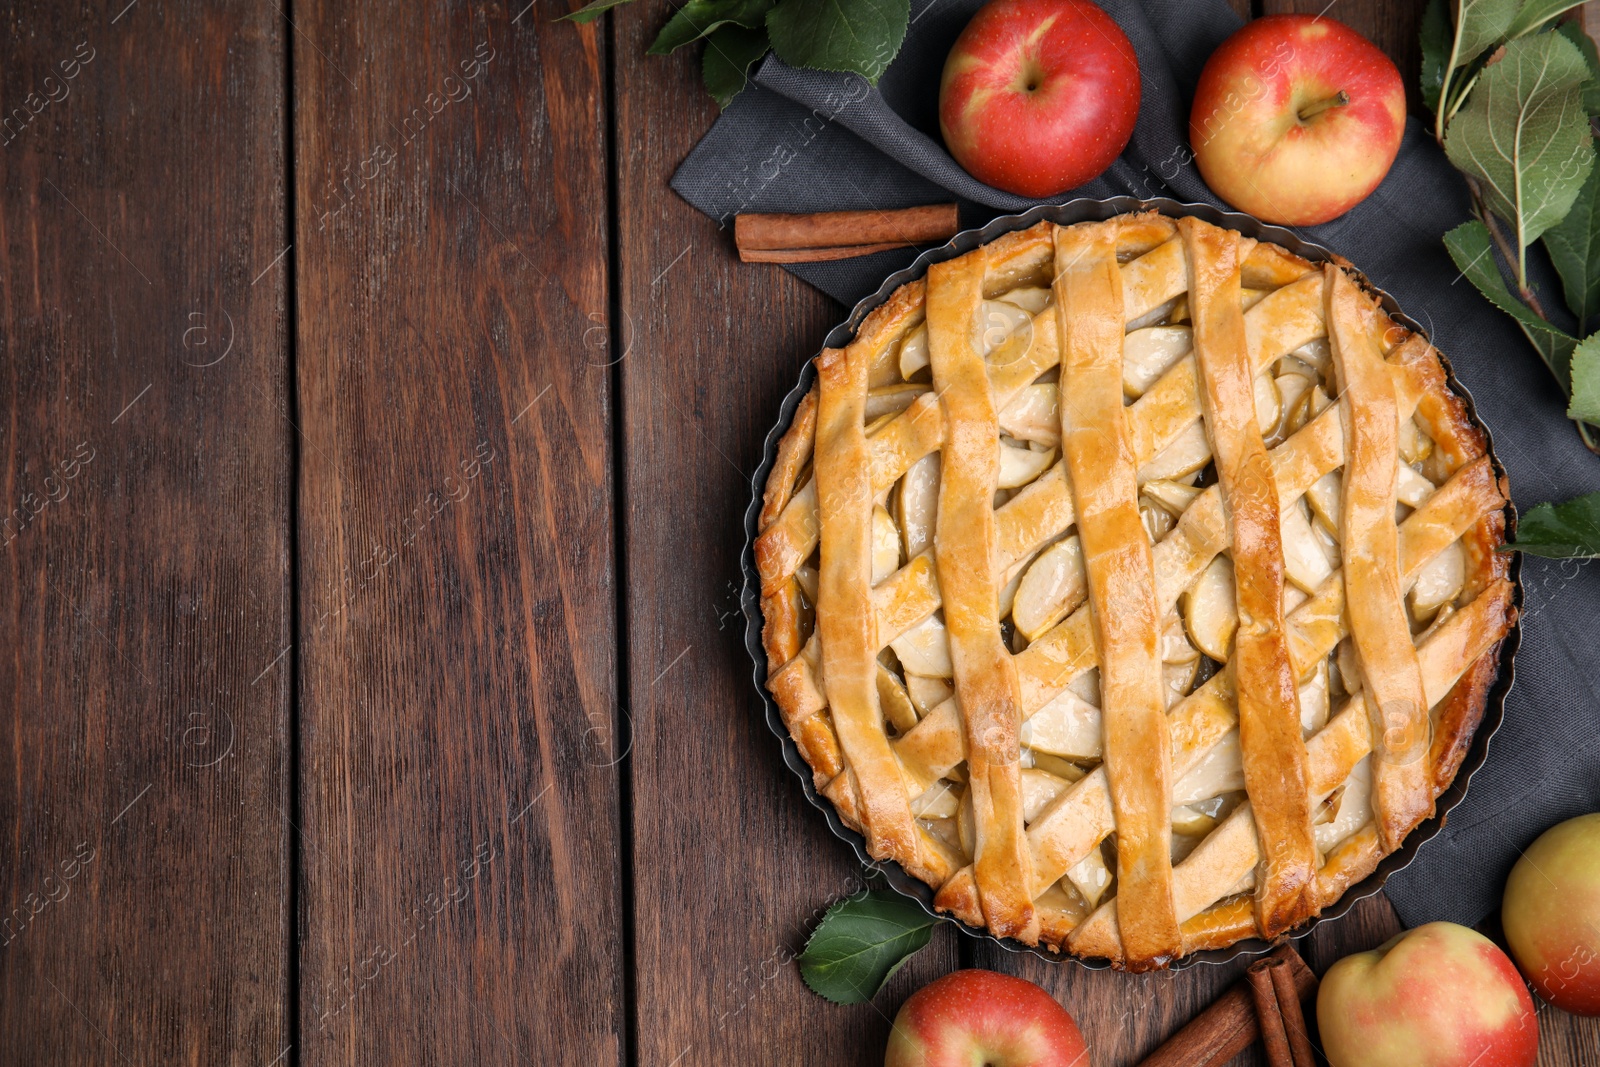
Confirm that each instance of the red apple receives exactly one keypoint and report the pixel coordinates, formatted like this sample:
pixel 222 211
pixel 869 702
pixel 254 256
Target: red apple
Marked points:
pixel 1437 996
pixel 1039 96
pixel 976 1016
pixel 1551 915
pixel 1296 119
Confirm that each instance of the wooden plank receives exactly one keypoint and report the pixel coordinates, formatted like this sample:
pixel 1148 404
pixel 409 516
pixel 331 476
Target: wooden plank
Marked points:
pixel 144 477
pixel 1566 1039
pixel 460 859
pixel 731 864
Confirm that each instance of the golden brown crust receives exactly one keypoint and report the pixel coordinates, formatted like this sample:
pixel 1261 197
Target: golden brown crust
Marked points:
pixel 780 627
pixel 1457 717
pixel 1120 571
pixel 846 616
pixel 1355 857
pixel 1015 258
pixel 1468 510
pixel 984 674
pixel 794 451
pixel 1371 547
pixel 1269 266
pixel 1441 412
pixel 1221 924
pixel 1265 681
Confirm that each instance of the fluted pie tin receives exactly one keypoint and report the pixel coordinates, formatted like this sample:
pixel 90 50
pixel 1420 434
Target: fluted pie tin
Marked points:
pixel 1085 210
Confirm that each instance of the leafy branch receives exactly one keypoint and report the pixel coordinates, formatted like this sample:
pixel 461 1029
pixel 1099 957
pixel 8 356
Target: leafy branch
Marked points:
pixel 1513 97
pixel 851 36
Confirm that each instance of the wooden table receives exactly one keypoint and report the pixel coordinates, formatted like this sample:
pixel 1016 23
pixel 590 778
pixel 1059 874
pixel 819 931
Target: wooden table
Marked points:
pixel 377 426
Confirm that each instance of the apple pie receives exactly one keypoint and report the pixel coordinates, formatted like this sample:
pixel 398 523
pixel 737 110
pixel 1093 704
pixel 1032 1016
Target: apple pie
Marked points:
pixel 1134 584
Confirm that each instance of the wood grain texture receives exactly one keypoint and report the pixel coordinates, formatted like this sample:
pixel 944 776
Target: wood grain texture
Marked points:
pixel 731 865
pixel 144 591
pixel 1566 1039
pixel 475 729
pixel 460 858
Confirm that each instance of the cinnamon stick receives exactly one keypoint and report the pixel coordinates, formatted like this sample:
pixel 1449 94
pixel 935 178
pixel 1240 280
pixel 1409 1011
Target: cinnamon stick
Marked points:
pixel 1268 1017
pixel 813 255
pixel 824 235
pixel 1294 1020
pixel 1228 1027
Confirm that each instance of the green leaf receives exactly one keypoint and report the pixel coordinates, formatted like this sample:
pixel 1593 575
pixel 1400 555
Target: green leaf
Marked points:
pixel 730 53
pixel 859 36
pixel 1562 531
pixel 1574 247
pixel 592 10
pixel 1585 390
pixel 697 18
pixel 1574 32
pixel 1523 133
pixel 1480 24
pixel 1536 13
pixel 860 943
pixel 1435 50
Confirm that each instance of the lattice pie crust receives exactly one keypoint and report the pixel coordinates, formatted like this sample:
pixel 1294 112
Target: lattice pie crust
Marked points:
pixel 1133 584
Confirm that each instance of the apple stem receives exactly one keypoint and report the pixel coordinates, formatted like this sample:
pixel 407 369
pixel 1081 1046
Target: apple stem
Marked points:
pixel 1338 99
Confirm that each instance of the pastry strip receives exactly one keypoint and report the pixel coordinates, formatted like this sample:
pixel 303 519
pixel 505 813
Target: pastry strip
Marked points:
pixel 1382 634
pixel 965 560
pixel 1265 682
pixel 846 617
pixel 1121 578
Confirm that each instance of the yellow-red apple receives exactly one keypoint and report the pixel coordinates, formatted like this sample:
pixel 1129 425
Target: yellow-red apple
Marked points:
pixel 1039 96
pixel 1437 996
pixel 1551 915
pixel 978 1016
pixel 1296 119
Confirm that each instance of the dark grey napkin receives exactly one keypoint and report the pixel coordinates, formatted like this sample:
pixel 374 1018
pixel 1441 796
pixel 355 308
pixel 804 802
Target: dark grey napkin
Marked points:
pixel 807 141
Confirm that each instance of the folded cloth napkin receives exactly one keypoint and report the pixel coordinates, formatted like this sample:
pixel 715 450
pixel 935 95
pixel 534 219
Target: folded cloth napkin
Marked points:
pixel 808 141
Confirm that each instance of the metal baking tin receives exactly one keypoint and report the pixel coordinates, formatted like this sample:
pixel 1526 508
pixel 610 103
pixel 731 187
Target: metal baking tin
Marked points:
pixel 1065 214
